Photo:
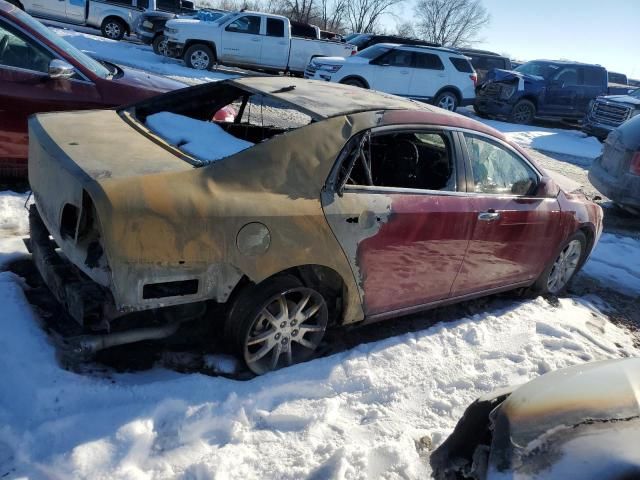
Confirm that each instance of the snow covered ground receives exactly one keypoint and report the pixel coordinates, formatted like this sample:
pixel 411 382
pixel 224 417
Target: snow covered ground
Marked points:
pixel 352 415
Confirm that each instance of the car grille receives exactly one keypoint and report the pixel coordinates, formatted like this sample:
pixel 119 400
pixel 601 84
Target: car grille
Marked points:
pixel 612 114
pixel 491 90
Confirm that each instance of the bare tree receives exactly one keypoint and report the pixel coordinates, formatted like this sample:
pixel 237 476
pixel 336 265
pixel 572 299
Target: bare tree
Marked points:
pixel 455 23
pixel 332 14
pixel 405 29
pixel 364 15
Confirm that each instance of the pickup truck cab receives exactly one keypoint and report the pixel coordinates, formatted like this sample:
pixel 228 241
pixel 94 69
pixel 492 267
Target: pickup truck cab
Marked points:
pixel 541 88
pixel 247 39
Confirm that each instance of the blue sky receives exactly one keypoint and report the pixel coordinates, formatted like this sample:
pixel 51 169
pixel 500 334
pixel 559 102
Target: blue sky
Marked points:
pixel 593 31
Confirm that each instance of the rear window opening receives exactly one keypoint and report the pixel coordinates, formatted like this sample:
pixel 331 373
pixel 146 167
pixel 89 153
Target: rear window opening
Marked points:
pixel 216 121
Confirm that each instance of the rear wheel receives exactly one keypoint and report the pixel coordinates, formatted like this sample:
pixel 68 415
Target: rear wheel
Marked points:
pixel 447 100
pixel 354 82
pixel 113 28
pixel 566 264
pixel 277 323
pixel 160 46
pixel 523 112
pixel 199 56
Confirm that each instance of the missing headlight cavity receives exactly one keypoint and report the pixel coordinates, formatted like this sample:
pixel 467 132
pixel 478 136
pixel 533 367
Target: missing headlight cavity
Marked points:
pixel 69 221
pixel 170 289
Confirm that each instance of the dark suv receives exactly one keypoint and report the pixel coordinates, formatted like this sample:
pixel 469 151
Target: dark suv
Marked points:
pixel 541 88
pixel 365 40
pixel 484 61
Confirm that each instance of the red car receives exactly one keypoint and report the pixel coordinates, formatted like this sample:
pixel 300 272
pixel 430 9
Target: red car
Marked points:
pixel 41 72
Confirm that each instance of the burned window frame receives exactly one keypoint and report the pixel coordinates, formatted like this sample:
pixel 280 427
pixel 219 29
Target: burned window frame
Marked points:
pixel 345 162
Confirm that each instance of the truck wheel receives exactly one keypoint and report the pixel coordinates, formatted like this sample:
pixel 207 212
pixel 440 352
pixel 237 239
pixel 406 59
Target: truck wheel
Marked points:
pixel 447 100
pixel 564 266
pixel 523 112
pixel 276 323
pixel 113 28
pixel 354 82
pixel 160 46
pixel 199 56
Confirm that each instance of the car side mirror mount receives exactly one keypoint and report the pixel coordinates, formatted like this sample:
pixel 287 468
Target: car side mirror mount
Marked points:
pixel 59 69
pixel 547 188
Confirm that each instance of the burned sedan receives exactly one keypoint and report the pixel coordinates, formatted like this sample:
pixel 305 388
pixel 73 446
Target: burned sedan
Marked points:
pixel 318 205
pixel 578 422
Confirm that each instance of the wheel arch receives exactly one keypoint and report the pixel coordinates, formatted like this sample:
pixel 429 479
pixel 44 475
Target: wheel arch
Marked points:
pixel 449 88
pixel 114 16
pixel 191 42
pixel 355 77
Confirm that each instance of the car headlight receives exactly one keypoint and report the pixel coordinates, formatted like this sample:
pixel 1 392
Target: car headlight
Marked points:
pixel 147 24
pixel 634 113
pixel 172 31
pixel 507 91
pixel 328 68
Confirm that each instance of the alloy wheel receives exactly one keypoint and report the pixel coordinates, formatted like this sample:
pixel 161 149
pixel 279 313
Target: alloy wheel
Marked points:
pixel 448 102
pixel 163 48
pixel 112 30
pixel 522 114
pixel 564 267
pixel 199 60
pixel 287 330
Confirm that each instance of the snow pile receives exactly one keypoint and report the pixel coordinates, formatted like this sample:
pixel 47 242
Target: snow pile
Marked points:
pixel 616 260
pixel 555 140
pixel 14 225
pixel 137 56
pixel 206 141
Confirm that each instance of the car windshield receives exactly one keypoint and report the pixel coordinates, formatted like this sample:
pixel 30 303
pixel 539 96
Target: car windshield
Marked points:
pixel 225 17
pixel 360 41
pixel 373 51
pixel 87 62
pixel 635 93
pixel 539 69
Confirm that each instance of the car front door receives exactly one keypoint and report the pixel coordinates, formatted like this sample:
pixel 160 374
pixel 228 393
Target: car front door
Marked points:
pixel 428 76
pixel 392 72
pixel 515 231
pixel 563 92
pixel 396 209
pixel 25 88
pixel 241 41
pixel 275 44
pixel 49 8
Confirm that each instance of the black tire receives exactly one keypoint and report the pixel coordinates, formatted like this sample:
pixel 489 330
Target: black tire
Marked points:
pixel 159 45
pixel 250 332
pixel 542 283
pixel 480 113
pixel 447 100
pixel 523 112
pixel 199 57
pixel 113 28
pixel 354 82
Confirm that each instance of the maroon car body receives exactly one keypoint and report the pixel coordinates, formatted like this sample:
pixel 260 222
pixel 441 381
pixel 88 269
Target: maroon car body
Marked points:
pixel 26 46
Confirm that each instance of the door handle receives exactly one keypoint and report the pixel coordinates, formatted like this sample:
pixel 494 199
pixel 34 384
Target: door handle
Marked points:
pixel 489 216
pixel 255 39
pixel 404 72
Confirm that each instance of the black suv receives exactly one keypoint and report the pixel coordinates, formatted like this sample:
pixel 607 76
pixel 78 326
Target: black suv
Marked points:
pixel 365 40
pixel 483 61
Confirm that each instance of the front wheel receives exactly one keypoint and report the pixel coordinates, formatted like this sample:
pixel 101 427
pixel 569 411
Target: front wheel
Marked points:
pixel 556 276
pixel 160 46
pixel 523 112
pixel 447 100
pixel 113 29
pixel 277 323
pixel 199 56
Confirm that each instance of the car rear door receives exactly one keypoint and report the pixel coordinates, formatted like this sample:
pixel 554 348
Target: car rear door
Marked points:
pixel 392 72
pixel 241 41
pixel 428 76
pixel 515 232
pixel 25 89
pixel 404 225
pixel 275 44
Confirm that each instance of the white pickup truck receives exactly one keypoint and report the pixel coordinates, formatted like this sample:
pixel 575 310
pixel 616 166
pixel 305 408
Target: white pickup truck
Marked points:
pixel 247 39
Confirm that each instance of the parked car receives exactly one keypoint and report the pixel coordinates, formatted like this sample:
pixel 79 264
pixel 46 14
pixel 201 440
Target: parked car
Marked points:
pixel 149 27
pixel 609 112
pixel 483 61
pixel 541 88
pixel 616 173
pixel 247 39
pixel 114 18
pixel 441 76
pixel 366 40
pixel 634 83
pixel 619 78
pixel 359 206
pixel 41 72
pixel 577 422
